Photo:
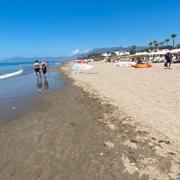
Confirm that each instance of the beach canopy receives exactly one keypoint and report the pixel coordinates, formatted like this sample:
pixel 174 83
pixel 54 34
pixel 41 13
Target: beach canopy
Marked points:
pixel 163 52
pixel 142 54
pixel 175 51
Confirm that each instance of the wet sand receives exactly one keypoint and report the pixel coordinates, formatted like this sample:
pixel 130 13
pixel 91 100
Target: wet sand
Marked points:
pixel 65 139
pixel 77 136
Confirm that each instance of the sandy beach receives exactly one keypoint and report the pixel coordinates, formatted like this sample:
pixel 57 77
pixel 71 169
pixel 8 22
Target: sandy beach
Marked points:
pixel 88 131
pixel 150 97
pixel 90 90
pixel 64 139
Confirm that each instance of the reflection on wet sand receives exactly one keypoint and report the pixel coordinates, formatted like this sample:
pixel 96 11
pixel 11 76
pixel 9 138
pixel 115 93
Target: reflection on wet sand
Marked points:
pixel 42 85
pixel 46 85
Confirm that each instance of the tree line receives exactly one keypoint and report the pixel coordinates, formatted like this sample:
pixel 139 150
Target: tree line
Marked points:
pixel 157 44
pixel 162 44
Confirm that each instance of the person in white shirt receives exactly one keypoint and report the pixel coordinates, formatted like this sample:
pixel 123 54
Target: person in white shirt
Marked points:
pixel 37 68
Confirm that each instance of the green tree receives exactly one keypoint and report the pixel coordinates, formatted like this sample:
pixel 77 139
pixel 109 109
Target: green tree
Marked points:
pixel 167 41
pixel 133 49
pixel 161 43
pixel 173 36
pixel 156 44
pixel 150 44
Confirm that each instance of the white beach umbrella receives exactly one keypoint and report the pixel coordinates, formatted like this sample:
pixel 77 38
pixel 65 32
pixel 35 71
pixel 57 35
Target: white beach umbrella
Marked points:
pixel 175 51
pixel 152 53
pixel 161 52
pixel 142 54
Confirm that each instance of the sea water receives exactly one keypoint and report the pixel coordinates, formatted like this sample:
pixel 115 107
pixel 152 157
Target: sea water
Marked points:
pixel 18 79
pixel 18 82
pixel 8 70
pixel 19 85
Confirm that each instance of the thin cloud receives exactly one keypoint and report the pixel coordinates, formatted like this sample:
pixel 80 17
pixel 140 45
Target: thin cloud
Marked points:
pixel 87 50
pixel 76 51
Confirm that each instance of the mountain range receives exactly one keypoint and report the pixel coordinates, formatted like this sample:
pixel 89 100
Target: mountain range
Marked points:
pixel 61 58
pixel 113 49
pixel 110 50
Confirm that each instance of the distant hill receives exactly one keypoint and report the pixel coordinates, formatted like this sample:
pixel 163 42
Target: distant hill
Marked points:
pixel 61 58
pixel 113 49
pixel 110 50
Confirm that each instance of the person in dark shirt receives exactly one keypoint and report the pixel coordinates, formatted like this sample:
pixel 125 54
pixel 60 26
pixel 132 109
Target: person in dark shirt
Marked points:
pixel 44 67
pixel 168 60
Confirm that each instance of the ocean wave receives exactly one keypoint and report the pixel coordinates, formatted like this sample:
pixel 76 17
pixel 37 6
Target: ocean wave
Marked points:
pixel 4 76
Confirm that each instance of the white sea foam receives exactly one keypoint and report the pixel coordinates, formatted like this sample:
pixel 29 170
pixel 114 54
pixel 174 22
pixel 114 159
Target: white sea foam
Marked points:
pixel 4 76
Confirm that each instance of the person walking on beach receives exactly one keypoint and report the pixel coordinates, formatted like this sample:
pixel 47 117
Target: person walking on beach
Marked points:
pixel 37 68
pixel 168 60
pixel 44 67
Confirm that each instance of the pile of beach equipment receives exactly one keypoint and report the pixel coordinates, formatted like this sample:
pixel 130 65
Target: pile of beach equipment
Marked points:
pixel 124 64
pixel 132 64
pixel 150 57
pixel 82 65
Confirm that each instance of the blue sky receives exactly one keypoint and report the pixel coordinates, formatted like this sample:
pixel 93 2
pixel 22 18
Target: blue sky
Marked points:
pixel 59 27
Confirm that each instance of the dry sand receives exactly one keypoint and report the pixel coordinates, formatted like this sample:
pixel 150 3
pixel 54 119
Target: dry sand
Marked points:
pixel 151 97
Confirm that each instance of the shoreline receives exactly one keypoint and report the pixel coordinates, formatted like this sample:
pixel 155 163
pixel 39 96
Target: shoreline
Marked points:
pixel 80 134
pixel 21 94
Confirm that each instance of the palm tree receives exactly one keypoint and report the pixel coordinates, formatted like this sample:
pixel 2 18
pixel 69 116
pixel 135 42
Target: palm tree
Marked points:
pixel 173 36
pixel 167 41
pixel 155 44
pixel 150 45
pixel 133 49
pixel 161 43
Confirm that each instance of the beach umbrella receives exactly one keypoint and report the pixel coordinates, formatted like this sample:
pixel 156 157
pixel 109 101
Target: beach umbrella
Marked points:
pixel 163 52
pixel 152 53
pixel 158 53
pixel 142 54
pixel 175 51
